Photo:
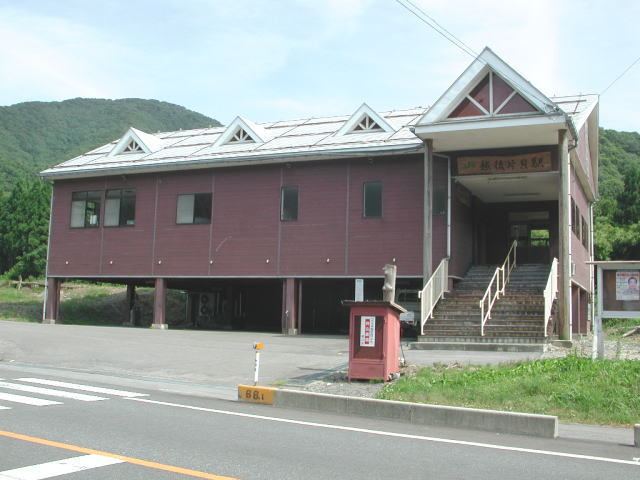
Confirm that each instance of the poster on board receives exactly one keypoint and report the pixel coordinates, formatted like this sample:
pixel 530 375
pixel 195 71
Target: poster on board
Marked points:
pixel 627 285
pixel 367 331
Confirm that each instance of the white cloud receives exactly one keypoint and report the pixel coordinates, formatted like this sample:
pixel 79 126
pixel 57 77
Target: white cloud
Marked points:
pixel 52 58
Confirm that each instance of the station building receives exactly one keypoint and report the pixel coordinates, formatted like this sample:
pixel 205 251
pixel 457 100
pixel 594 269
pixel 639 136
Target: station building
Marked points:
pixel 268 226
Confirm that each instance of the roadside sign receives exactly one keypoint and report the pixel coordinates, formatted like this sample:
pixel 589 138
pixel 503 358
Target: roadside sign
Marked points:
pixel 253 394
pixel 367 331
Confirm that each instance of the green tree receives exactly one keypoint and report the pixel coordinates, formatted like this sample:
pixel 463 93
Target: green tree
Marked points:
pixel 24 222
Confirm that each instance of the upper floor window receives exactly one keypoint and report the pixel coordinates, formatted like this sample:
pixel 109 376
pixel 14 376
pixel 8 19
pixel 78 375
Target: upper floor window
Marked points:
pixel 289 203
pixel 133 147
pixel 85 209
pixel 440 198
pixel 194 208
pixel 367 124
pixel 241 136
pixel 120 208
pixel 372 201
pixel 585 233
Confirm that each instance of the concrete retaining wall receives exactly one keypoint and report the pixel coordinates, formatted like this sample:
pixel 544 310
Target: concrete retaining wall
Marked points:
pixel 422 414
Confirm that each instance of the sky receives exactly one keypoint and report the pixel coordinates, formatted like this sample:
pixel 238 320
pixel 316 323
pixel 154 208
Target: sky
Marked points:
pixel 287 59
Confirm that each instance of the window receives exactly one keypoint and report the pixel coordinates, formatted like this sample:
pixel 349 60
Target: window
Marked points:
pixel 120 208
pixel 85 209
pixel 585 233
pixel 367 124
pixel 372 199
pixel 133 147
pixel 194 208
pixel 289 203
pixel 574 217
pixel 241 136
pixel 440 198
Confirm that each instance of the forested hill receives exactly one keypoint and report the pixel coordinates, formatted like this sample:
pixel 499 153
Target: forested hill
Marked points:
pixel 36 135
pixel 618 210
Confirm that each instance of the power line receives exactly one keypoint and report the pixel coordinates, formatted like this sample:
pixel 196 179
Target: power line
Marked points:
pixel 621 75
pixel 434 25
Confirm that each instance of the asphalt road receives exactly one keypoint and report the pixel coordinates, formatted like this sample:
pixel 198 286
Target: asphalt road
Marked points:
pixel 145 434
pixel 213 358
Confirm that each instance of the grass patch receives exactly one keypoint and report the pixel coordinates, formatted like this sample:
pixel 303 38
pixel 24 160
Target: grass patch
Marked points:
pixel 574 388
pixel 88 304
pixel 616 327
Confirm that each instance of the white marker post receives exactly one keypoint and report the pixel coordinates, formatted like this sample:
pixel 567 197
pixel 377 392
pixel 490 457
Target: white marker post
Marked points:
pixel 257 346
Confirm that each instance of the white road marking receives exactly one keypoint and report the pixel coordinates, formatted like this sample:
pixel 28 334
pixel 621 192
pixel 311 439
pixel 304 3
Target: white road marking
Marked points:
pixel 85 388
pixel 54 393
pixel 59 467
pixel 4 408
pixel 38 402
pixel 393 434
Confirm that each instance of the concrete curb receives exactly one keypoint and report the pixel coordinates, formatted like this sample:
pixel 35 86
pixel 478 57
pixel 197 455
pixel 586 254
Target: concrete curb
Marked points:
pixel 636 435
pixel 545 426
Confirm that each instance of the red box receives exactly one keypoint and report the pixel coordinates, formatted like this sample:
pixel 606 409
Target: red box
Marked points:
pixel 374 339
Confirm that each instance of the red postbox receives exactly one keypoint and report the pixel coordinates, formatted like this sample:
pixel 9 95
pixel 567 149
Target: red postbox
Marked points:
pixel 374 339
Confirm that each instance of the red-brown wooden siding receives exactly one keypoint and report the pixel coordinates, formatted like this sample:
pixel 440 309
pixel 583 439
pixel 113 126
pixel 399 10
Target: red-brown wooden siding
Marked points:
pixel 246 230
pixel 579 253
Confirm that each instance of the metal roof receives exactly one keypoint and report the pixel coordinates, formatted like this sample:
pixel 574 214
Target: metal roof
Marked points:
pixel 304 138
pixel 291 140
pixel 578 107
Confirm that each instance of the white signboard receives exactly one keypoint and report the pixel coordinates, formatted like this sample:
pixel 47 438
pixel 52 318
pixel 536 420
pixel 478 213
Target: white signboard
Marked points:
pixel 359 290
pixel 367 331
pixel 627 285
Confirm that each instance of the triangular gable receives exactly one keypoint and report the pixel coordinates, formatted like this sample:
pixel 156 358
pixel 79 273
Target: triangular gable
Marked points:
pixel 242 130
pixel 365 119
pixel 472 94
pixel 135 142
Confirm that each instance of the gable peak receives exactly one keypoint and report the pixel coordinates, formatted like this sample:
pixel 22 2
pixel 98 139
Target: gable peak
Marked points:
pixel 365 119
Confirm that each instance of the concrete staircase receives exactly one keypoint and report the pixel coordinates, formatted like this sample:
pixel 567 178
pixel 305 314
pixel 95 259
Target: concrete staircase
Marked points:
pixel 517 318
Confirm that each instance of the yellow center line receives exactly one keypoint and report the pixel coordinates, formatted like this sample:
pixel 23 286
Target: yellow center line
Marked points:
pixel 132 460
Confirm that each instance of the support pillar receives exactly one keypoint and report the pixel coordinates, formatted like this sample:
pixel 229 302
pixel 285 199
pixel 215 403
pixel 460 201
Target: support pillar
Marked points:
pixel 52 301
pixel 290 307
pixel 564 219
pixel 131 303
pixel 427 235
pixel 159 304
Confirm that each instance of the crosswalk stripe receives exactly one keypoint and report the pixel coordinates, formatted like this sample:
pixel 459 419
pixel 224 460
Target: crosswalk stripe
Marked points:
pixel 38 402
pixel 48 391
pixel 4 408
pixel 59 467
pixel 86 388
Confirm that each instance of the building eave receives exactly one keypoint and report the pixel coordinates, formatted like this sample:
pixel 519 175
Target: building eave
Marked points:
pixel 247 160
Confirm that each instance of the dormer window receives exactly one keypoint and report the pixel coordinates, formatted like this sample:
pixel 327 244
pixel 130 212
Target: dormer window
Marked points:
pixel 133 147
pixel 241 136
pixel 367 124
pixel 365 120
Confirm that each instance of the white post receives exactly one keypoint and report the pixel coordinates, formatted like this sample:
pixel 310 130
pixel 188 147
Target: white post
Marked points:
pixel 257 346
pixel 256 368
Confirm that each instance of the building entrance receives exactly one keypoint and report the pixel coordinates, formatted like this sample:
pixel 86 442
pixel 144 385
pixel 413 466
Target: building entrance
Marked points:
pixel 531 230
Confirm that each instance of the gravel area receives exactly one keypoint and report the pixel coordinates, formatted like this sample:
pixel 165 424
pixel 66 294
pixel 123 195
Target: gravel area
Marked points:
pixel 336 383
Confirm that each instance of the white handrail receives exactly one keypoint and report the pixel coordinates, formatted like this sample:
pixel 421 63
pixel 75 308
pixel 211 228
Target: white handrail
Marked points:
pixel 550 293
pixel 502 273
pixel 507 266
pixel 433 291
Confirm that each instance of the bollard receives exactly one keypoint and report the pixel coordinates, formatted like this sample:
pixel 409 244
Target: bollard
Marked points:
pixel 257 346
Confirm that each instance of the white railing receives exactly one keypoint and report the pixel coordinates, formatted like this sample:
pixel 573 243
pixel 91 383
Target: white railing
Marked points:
pixel 550 293
pixel 500 278
pixel 433 291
